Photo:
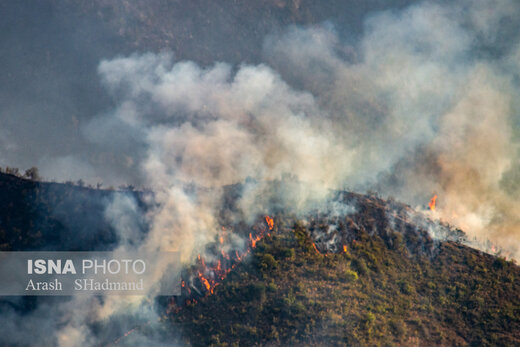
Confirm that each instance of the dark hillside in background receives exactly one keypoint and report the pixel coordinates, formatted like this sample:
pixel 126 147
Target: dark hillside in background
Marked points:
pixel 53 216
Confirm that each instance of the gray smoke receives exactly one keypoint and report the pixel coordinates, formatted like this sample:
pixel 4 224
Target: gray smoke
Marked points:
pixel 419 106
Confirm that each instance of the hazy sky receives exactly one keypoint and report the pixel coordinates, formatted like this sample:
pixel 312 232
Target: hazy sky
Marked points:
pixel 50 51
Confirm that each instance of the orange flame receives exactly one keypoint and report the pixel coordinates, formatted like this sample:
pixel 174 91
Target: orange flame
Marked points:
pixel 254 240
pixel 344 249
pixel 431 204
pixel 315 248
pixel 205 282
pixel 270 222
pixel 211 271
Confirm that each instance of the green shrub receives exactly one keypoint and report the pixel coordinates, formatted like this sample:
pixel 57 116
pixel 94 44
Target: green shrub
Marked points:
pixel 288 253
pixel 406 287
pixel 350 275
pixel 398 327
pixel 272 287
pixel 360 265
pixel 500 263
pixel 268 262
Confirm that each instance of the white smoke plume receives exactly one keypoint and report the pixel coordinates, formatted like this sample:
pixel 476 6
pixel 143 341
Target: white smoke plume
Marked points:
pixel 211 127
pixel 417 107
pixel 427 108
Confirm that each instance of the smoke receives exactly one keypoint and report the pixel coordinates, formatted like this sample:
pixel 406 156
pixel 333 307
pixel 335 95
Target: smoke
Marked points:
pixel 68 168
pixel 419 105
pixel 210 127
pixel 428 106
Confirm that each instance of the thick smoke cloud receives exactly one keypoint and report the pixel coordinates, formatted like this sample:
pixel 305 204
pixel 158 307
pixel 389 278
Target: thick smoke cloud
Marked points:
pixel 417 107
pixel 426 108
pixel 214 127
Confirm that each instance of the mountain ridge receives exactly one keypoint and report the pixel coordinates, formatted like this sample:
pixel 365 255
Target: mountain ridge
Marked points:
pixel 370 274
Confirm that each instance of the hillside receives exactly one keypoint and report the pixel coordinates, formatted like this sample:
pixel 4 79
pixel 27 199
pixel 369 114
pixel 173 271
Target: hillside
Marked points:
pixel 373 292
pixel 369 275
pixel 53 216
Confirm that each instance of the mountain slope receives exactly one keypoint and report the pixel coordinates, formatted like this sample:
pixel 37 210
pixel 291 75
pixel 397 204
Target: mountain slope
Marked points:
pixel 374 291
pixel 366 272
pixel 369 295
pixel 54 216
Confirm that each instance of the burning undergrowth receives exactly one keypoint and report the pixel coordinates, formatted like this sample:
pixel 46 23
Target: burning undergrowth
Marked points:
pixel 220 258
pixel 338 224
pixel 375 217
pixel 369 274
pixel 335 227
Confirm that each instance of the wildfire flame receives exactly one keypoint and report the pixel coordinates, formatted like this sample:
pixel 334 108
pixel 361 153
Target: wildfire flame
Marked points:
pixel 270 222
pixel 210 272
pixel 254 240
pixel 344 249
pixel 205 282
pixel 431 204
